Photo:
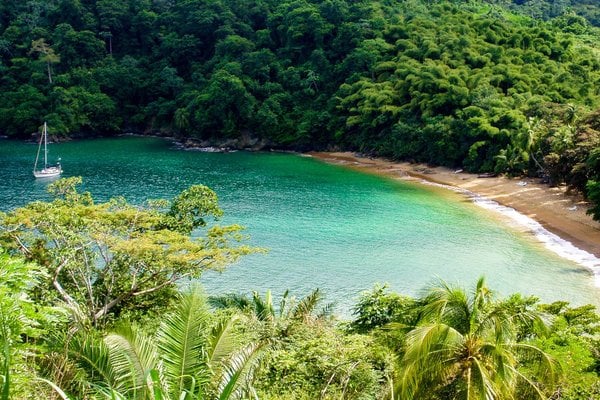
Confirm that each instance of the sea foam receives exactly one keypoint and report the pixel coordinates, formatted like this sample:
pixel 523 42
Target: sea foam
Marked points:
pixel 551 241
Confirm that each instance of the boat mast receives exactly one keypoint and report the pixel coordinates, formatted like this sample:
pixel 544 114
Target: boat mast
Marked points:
pixel 45 146
pixel 37 156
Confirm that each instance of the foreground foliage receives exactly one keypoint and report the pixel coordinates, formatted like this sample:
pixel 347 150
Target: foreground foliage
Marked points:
pixel 467 347
pixel 113 258
pixel 193 355
pixel 23 324
pixel 445 344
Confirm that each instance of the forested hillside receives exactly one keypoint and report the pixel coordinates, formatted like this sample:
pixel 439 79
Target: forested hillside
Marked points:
pixel 547 9
pixel 462 84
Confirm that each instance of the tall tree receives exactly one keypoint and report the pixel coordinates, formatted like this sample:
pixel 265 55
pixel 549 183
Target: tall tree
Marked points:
pixel 47 54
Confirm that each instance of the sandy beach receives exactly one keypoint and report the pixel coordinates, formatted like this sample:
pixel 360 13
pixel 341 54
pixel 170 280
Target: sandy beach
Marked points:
pixel 560 213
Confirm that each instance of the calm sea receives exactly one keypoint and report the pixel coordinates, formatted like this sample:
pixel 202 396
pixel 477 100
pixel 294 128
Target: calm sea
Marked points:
pixel 325 226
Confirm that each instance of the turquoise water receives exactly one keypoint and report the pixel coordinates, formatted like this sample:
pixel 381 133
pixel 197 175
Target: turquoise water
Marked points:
pixel 325 226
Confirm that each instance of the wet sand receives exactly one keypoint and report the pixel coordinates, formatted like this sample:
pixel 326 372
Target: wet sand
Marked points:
pixel 560 213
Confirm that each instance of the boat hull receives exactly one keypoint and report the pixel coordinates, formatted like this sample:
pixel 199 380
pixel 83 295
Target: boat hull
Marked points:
pixel 49 172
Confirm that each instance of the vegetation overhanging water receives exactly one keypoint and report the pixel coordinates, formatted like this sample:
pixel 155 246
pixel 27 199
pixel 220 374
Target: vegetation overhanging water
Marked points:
pixel 325 226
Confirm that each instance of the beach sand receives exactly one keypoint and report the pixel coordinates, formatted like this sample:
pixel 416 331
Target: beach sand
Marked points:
pixel 560 213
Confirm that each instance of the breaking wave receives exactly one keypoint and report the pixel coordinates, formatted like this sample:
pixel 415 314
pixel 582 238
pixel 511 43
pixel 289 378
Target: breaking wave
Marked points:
pixel 551 241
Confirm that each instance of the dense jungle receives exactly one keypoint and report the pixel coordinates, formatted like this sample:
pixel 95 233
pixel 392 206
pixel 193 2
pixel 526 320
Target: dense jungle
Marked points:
pixel 98 300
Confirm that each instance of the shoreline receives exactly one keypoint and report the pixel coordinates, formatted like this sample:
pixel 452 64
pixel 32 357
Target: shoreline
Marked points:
pixel 559 213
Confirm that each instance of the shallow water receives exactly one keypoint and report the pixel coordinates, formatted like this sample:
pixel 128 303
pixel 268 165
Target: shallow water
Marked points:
pixel 325 226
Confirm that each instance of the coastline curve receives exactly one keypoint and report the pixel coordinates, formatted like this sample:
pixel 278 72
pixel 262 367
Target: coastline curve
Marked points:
pixel 551 241
pixel 555 219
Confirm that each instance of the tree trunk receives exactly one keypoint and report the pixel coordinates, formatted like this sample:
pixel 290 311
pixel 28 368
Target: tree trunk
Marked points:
pixel 49 72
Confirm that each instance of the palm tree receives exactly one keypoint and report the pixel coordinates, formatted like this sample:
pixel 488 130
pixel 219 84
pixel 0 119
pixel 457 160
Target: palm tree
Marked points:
pixel 466 347
pixel 277 321
pixel 187 358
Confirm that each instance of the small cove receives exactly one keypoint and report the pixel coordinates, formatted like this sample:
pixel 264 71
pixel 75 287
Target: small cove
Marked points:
pixel 325 226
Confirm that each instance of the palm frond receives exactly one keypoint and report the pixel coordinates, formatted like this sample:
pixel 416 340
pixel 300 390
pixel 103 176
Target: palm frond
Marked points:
pixel 157 387
pixel 263 309
pixel 481 294
pixel 222 341
pixel 531 385
pixel 307 305
pixel 502 358
pixel 448 304
pixel 81 319
pixel 108 394
pixel 181 341
pixel 509 317
pixel 326 311
pixel 236 301
pixel 54 387
pixel 427 342
pixel 93 355
pixel 482 385
pixel 496 322
pixel 238 372
pixel 466 346
pixel 397 326
pixel 60 366
pixel 283 304
pixel 132 355
pixel 545 367
pixel 429 356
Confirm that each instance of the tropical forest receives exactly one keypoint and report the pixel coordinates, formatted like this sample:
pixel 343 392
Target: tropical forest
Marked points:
pixel 101 295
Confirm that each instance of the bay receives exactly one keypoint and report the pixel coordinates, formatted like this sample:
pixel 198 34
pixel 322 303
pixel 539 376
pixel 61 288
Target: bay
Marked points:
pixel 325 226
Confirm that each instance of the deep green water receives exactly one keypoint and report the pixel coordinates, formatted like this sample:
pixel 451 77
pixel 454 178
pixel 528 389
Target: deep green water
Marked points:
pixel 325 226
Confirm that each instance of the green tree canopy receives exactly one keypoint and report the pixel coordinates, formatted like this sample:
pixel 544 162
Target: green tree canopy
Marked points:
pixel 105 259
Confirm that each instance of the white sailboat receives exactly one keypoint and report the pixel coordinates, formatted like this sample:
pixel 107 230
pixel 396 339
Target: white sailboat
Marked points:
pixel 47 171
